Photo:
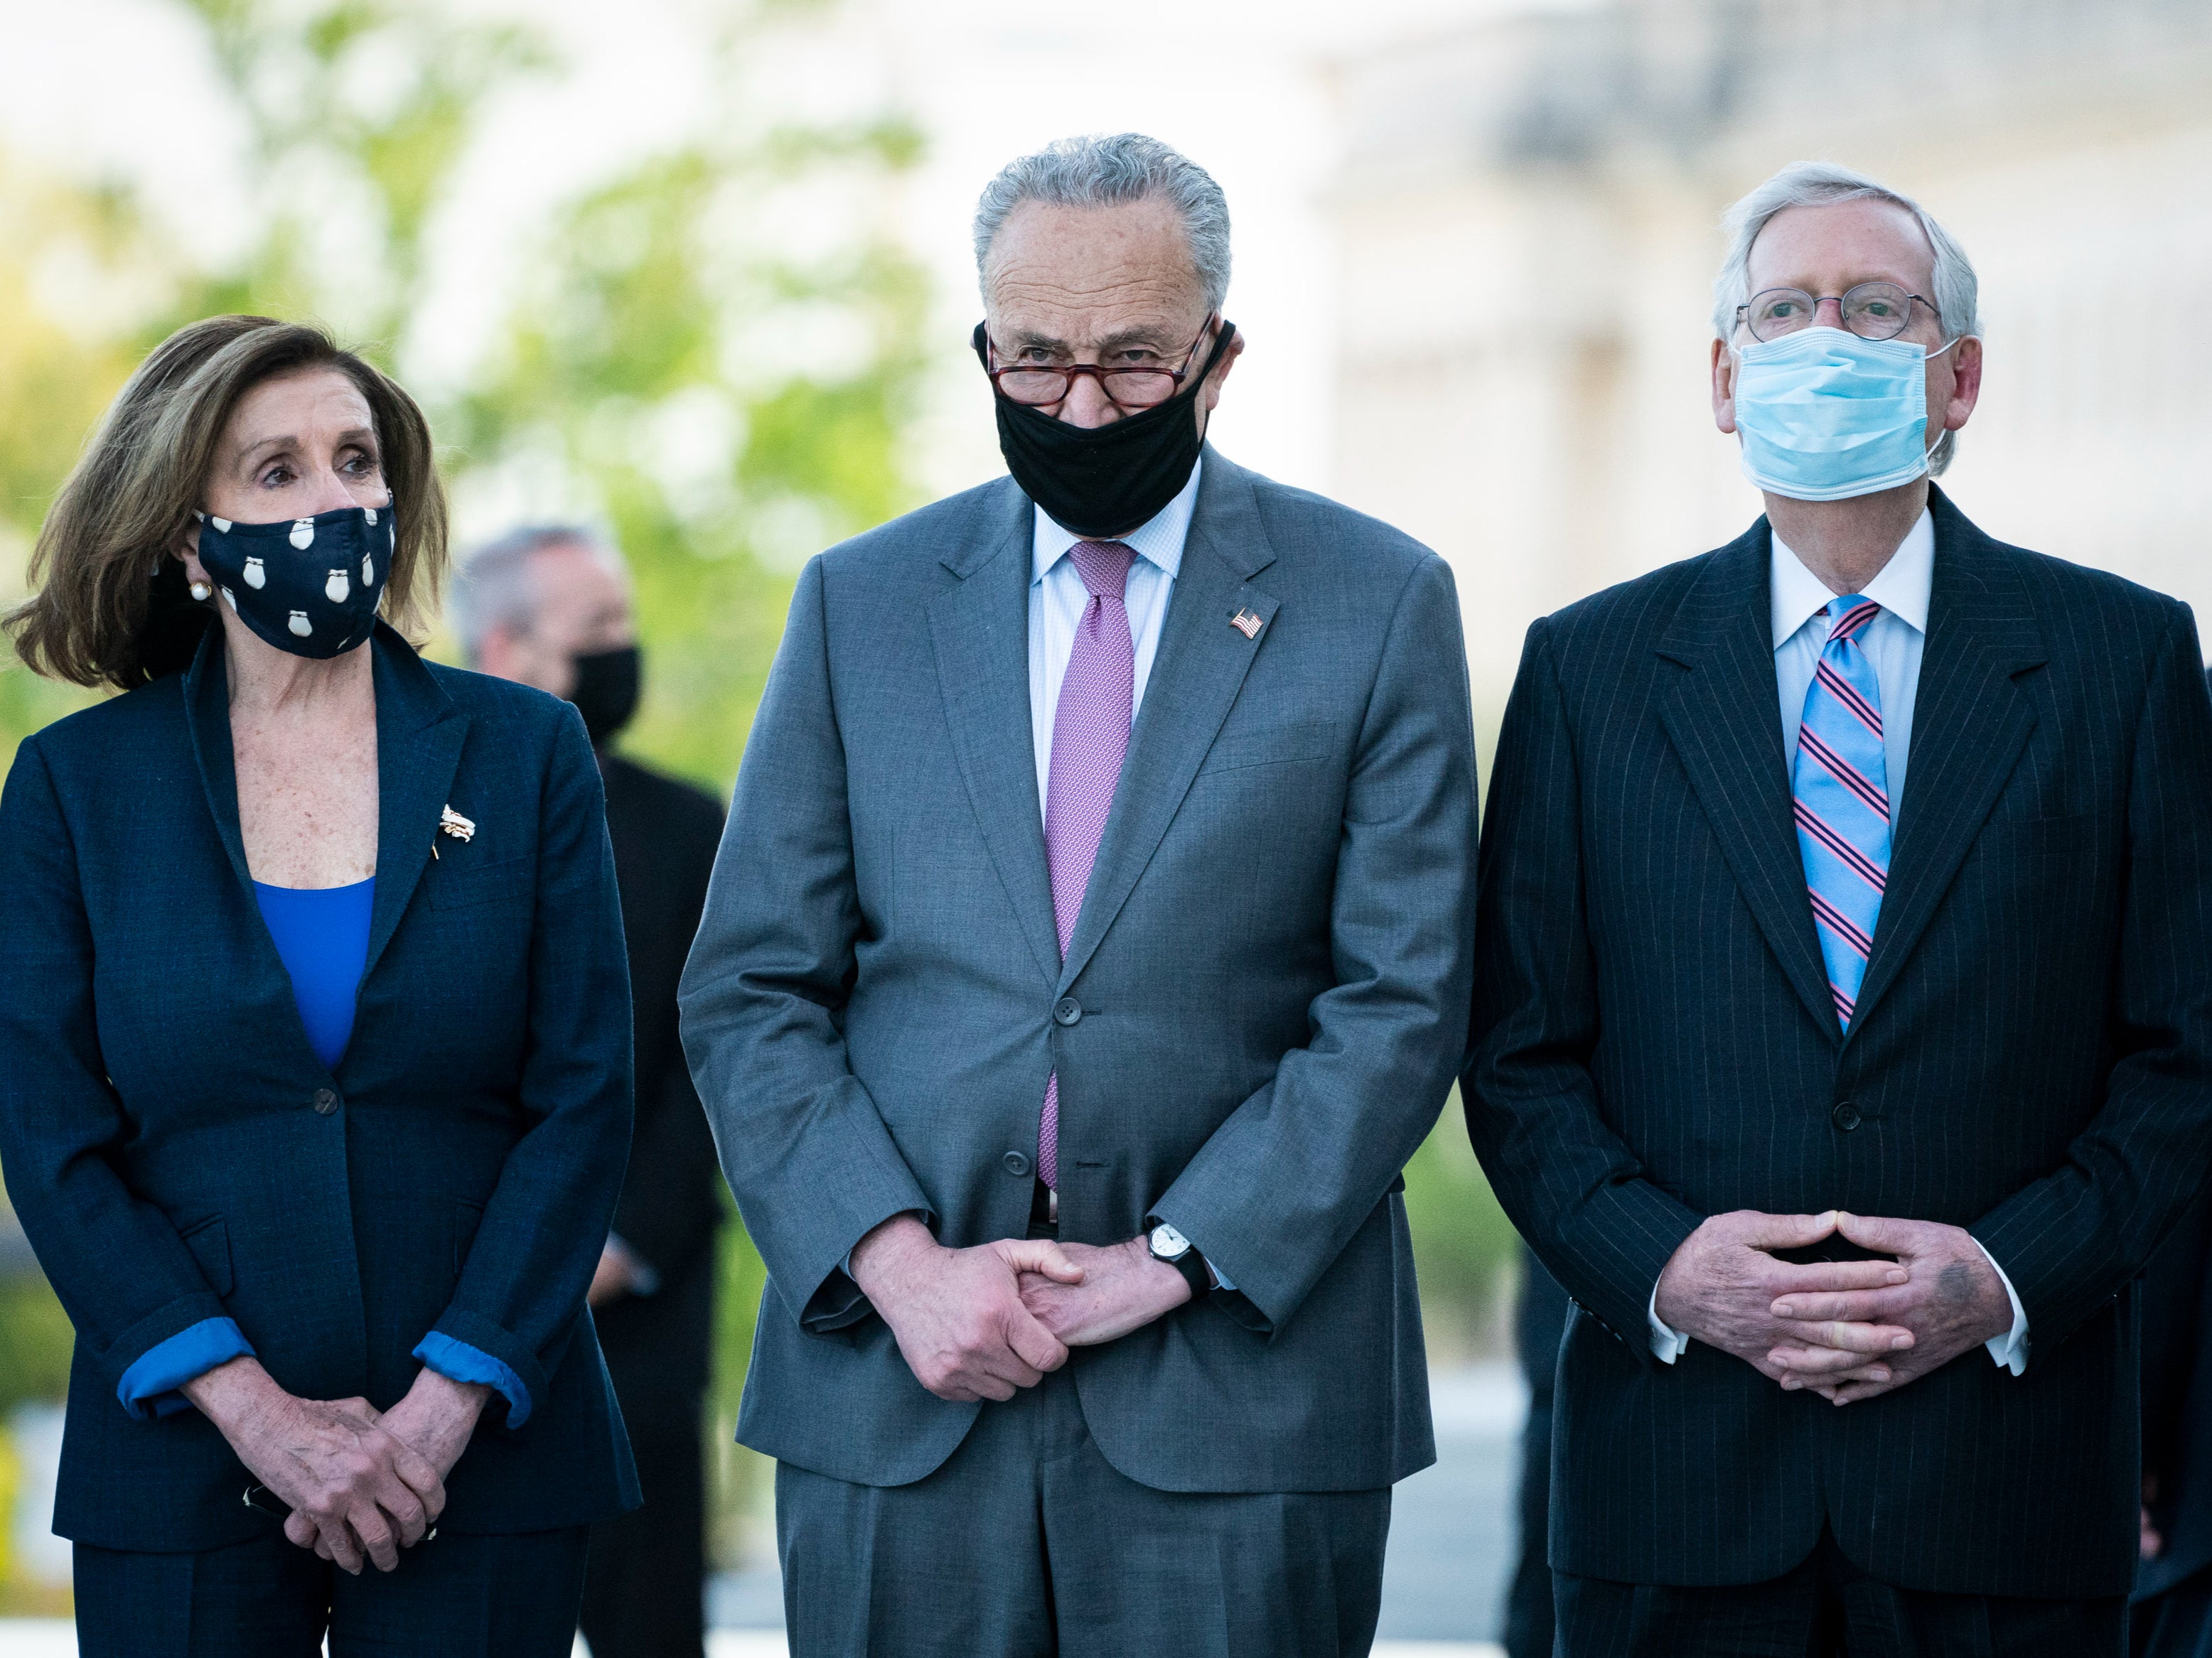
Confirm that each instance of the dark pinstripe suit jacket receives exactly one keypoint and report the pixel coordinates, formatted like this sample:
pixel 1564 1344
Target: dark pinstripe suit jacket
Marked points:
pixel 1653 1042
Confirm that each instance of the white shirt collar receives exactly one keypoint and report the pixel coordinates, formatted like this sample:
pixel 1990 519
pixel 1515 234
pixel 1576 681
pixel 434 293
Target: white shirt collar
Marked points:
pixel 1901 589
pixel 1159 541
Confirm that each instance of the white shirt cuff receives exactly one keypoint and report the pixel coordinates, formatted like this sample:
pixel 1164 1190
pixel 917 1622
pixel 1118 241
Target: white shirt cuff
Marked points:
pixel 2010 1349
pixel 1666 1342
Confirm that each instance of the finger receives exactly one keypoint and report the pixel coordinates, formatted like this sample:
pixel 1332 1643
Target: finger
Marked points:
pixel 1833 1277
pixel 409 1517
pixel 1852 1392
pixel 1818 1363
pixel 1892 1237
pixel 420 1476
pixel 1828 1386
pixel 359 1409
pixel 1786 1231
pixel 1848 1336
pixel 1035 1347
pixel 375 1531
pixel 300 1530
pixel 1040 1255
pixel 344 1549
pixel 1856 1306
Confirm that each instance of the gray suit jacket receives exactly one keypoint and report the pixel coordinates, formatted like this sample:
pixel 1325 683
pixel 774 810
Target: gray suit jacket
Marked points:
pixel 1257 1023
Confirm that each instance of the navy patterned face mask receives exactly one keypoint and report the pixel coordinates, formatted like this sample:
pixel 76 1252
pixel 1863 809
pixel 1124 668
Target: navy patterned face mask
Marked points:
pixel 308 586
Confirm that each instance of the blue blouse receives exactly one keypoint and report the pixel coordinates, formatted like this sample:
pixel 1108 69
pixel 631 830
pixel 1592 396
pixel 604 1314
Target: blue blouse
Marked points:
pixel 321 935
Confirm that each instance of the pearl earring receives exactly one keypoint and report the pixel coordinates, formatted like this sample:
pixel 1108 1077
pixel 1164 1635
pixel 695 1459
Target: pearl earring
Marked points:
pixel 202 592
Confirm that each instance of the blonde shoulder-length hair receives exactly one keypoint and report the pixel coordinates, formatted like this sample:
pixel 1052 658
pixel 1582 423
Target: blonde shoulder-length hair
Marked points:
pixel 109 605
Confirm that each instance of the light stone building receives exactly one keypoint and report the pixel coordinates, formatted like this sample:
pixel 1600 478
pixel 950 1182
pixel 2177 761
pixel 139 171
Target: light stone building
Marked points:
pixel 1527 227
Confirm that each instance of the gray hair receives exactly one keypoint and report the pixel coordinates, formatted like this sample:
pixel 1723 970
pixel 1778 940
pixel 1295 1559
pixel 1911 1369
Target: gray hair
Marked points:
pixel 1103 171
pixel 493 589
pixel 1821 184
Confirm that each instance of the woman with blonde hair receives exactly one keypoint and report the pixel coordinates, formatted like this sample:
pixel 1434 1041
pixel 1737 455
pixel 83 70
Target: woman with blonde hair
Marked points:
pixel 315 1041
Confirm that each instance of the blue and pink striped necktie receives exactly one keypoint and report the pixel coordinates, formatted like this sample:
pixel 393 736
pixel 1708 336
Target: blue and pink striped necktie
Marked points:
pixel 1841 782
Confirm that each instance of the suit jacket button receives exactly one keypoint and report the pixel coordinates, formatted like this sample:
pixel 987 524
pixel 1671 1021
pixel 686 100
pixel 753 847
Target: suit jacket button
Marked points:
pixel 326 1100
pixel 1846 1116
pixel 1067 1011
pixel 1016 1164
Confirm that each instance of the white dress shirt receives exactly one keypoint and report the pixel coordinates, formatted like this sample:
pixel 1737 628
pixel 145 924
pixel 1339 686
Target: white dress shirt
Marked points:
pixel 1057 598
pixel 1892 643
pixel 1057 601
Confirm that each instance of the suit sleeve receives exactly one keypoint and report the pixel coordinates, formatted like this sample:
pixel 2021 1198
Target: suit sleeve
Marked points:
pixel 521 1291
pixel 2070 1241
pixel 671 1200
pixel 1280 1187
pixel 812 1165
pixel 127 1280
pixel 1567 1180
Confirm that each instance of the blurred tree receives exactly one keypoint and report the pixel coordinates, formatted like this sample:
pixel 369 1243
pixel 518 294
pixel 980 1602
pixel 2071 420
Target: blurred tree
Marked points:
pixel 725 395
pixel 712 351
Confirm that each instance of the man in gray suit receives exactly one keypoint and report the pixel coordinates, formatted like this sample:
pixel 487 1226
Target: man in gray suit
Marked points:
pixel 1088 952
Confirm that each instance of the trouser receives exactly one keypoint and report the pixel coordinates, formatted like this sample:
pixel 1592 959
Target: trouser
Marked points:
pixel 1027 1543
pixel 645 1588
pixel 455 1595
pixel 2175 1624
pixel 1825 1607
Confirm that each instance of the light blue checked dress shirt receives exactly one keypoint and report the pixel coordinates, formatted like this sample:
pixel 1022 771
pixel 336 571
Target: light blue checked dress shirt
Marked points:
pixel 1893 641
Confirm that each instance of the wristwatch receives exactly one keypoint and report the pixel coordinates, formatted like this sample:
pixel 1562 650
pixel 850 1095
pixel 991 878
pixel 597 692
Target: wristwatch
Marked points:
pixel 1170 1246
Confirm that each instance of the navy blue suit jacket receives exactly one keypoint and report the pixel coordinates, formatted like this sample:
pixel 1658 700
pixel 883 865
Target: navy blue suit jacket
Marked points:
pixel 1654 1042
pixel 159 1119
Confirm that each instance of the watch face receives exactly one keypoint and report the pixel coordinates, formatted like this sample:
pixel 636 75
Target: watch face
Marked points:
pixel 1168 1243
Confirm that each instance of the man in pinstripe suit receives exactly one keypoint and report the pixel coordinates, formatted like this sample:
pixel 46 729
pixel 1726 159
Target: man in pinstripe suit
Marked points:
pixel 1806 1083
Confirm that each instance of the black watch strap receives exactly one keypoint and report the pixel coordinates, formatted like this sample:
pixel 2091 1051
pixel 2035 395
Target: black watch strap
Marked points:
pixel 1192 1265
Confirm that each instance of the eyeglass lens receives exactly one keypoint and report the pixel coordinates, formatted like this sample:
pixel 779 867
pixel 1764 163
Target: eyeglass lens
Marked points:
pixel 1872 311
pixel 1130 388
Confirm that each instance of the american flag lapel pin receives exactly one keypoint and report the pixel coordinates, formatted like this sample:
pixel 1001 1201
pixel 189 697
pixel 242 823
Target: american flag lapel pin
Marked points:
pixel 1247 623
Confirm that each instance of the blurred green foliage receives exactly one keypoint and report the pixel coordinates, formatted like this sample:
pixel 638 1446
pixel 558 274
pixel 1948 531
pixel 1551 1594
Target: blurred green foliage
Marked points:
pixel 723 400
pixel 34 1343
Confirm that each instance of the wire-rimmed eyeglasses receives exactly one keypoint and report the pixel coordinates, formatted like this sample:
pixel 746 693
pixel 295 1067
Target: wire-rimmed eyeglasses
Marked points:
pixel 1872 311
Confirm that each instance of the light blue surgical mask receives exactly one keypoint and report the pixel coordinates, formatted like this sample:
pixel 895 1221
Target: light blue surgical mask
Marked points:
pixel 1825 415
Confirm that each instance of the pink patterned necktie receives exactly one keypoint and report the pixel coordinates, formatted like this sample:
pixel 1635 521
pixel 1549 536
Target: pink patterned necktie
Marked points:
pixel 1089 738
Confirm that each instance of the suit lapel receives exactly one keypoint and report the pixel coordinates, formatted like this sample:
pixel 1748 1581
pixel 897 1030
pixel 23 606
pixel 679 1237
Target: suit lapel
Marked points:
pixel 979 630
pixel 418 744
pixel 1197 671
pixel 419 733
pixel 207 710
pixel 1970 722
pixel 1723 720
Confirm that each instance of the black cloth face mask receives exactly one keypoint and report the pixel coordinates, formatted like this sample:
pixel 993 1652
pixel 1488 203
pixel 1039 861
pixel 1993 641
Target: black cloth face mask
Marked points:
pixel 308 586
pixel 1104 480
pixel 605 690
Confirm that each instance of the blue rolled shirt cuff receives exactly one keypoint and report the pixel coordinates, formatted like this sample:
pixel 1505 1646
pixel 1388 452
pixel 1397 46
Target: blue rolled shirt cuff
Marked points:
pixel 148 1388
pixel 458 1361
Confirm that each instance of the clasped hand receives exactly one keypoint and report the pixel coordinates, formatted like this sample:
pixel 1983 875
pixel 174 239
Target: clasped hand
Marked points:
pixel 362 1484
pixel 983 1322
pixel 1847 1330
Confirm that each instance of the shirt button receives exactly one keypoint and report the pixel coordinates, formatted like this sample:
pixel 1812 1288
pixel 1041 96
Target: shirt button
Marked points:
pixel 1067 1011
pixel 1016 1164
pixel 326 1100
pixel 1846 1116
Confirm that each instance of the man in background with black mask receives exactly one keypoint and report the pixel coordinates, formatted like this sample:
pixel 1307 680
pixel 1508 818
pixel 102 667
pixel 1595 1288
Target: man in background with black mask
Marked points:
pixel 550 606
pixel 1088 952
